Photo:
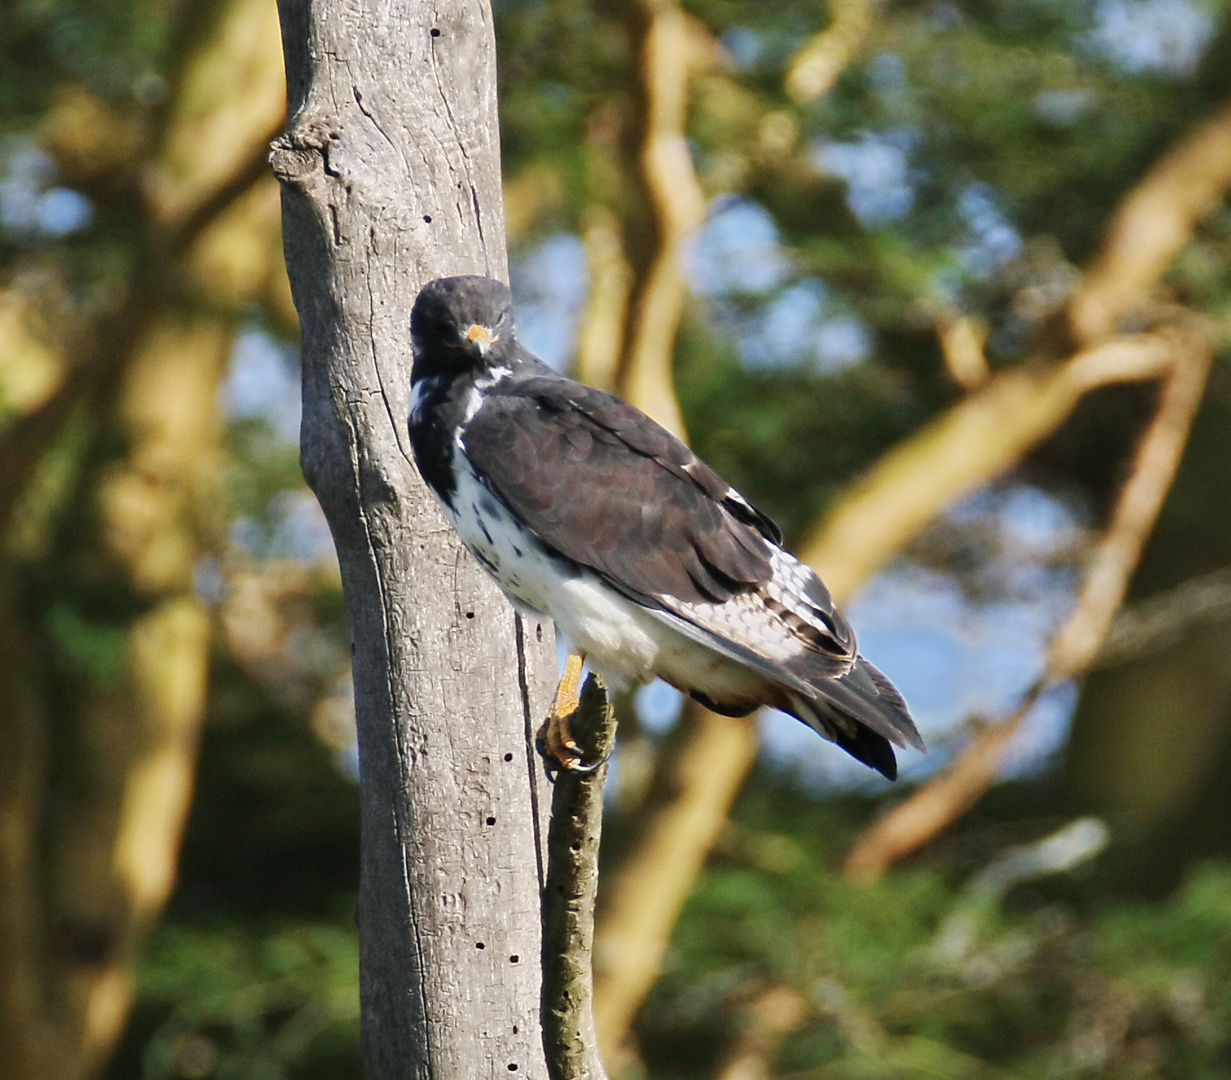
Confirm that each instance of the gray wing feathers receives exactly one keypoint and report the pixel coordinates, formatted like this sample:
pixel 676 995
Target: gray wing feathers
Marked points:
pixel 865 694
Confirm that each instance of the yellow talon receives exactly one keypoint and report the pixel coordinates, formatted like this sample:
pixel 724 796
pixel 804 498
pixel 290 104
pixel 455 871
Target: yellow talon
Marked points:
pixel 555 735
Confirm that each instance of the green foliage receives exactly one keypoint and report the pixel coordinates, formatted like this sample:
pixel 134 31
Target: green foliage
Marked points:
pixel 1050 986
pixel 254 972
pixel 230 1003
pixel 93 649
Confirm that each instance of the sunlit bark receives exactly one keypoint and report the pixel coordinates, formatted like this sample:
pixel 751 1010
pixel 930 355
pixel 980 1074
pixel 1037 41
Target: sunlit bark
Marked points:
pixel 962 338
pixel 390 172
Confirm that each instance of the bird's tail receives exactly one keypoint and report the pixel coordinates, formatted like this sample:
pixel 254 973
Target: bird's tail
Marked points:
pixel 863 713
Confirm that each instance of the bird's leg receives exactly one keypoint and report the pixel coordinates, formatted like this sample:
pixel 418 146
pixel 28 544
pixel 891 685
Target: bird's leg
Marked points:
pixel 555 738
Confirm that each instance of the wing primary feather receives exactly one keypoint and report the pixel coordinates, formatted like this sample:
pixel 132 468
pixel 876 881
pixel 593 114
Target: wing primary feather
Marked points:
pixel 865 695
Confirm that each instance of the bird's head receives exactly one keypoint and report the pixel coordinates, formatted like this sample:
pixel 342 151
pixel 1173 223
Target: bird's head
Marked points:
pixel 462 325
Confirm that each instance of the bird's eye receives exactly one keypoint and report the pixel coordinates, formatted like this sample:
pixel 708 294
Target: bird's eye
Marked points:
pixel 442 327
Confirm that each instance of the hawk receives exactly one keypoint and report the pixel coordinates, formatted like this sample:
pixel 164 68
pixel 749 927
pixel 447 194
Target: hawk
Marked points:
pixel 585 510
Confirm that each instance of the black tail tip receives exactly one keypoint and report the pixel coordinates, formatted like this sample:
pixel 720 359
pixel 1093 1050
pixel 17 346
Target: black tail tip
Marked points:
pixel 872 749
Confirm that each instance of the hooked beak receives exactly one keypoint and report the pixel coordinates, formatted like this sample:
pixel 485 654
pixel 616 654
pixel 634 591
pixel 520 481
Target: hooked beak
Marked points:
pixel 481 338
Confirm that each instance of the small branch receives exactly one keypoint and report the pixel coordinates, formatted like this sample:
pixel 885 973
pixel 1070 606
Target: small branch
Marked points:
pixel 215 122
pixel 1158 457
pixel 569 1039
pixel 961 343
pixel 767 1020
pixel 213 203
pixel 956 942
pixel 1158 623
pixel 818 64
pixel 938 803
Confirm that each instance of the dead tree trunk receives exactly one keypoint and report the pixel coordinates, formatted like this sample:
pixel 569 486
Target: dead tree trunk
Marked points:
pixel 391 177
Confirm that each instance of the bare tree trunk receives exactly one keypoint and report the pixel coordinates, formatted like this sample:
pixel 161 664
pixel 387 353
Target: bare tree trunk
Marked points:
pixel 391 177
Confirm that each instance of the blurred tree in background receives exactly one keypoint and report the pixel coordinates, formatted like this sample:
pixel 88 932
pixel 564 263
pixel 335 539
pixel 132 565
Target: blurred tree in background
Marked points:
pixel 936 284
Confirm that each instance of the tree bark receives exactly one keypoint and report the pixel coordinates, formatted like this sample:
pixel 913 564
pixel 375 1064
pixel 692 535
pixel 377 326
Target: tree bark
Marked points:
pixel 391 177
pixel 569 893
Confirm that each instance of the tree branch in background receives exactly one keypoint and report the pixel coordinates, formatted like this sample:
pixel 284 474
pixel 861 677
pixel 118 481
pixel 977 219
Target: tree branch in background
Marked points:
pixel 602 328
pixel 113 867
pixel 678 204
pixel 942 800
pixel 817 66
pixel 569 894
pixel 644 899
pixel 247 175
pixel 973 442
pixel 767 1020
pixel 600 331
pixel 24 442
pixel 1150 626
pixel 1151 225
pixel 984 434
pixel 961 344
pixel 229 97
pixel 1158 456
pixel 111 856
pixel 700 775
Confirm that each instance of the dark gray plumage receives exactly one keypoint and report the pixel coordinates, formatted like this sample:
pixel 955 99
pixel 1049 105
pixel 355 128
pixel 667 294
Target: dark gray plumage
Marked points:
pixel 585 509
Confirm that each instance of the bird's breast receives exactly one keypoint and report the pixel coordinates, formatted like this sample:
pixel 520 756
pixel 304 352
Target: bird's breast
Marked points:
pixel 507 549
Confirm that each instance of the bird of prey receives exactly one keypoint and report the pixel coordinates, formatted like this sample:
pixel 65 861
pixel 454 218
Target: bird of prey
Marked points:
pixel 585 510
